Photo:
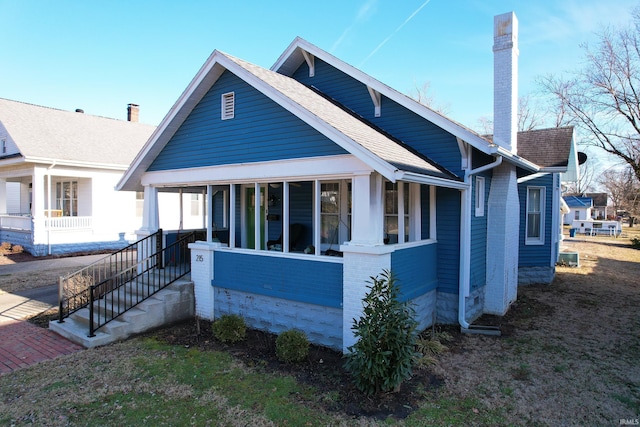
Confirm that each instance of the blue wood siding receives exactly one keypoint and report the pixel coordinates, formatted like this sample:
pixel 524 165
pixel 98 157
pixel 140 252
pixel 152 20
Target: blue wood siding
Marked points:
pixel 448 229
pixel 416 270
pixel 478 261
pixel 425 137
pixel 260 131
pixel 308 281
pixel 536 255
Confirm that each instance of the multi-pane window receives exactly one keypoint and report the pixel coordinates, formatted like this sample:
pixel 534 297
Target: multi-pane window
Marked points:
pixel 535 218
pixel 396 212
pixel 329 213
pixel 67 197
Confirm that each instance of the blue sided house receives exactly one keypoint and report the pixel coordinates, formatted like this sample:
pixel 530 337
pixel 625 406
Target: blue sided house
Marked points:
pixel 318 177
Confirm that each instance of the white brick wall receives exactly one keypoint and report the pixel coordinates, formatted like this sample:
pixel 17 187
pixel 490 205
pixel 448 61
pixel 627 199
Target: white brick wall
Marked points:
pixel 202 275
pixel 359 267
pixel 503 230
pixel 505 81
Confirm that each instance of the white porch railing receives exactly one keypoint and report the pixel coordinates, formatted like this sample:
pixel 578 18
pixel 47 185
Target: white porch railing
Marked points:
pixel 69 222
pixel 15 222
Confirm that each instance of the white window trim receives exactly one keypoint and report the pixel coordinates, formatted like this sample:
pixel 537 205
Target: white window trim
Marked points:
pixel 536 240
pixel 228 106
pixel 480 189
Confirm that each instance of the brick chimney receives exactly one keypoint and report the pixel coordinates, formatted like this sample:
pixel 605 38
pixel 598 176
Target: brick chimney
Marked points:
pixel 133 111
pixel 503 204
pixel 505 81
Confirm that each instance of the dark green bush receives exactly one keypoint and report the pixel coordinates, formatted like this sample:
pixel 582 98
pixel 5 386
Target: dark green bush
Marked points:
pixel 635 243
pixel 229 328
pixel 384 355
pixel 292 346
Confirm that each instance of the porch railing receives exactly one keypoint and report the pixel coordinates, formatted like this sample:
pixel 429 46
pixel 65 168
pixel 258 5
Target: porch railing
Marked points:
pixel 69 222
pixel 15 222
pixel 131 282
pixel 73 289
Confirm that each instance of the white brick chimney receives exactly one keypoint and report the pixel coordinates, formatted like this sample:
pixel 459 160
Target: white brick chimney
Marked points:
pixel 505 81
pixel 503 205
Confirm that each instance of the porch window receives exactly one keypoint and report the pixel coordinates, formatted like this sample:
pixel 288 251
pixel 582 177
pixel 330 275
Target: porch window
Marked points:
pixel 67 197
pixel 535 218
pixel 335 214
pixel 396 212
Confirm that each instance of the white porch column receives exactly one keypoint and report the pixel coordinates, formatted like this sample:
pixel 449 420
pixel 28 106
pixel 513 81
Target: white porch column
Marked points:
pixel 37 206
pixel 365 255
pixel 3 196
pixel 150 214
pixel 208 218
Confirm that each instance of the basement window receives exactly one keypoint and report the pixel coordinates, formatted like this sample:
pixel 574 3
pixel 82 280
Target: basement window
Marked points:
pixel 228 105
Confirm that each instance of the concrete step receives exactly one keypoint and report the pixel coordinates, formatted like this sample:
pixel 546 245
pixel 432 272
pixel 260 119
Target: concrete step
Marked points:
pixel 172 304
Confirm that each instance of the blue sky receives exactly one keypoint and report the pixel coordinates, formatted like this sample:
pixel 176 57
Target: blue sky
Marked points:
pixel 102 55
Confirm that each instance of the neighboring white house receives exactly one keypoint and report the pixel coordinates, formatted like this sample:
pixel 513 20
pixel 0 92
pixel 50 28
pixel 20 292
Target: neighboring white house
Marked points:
pixel 58 170
pixel 580 209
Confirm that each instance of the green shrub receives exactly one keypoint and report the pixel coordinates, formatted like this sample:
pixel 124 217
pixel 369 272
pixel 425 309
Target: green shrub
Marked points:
pixel 635 243
pixel 384 355
pixel 292 346
pixel 229 328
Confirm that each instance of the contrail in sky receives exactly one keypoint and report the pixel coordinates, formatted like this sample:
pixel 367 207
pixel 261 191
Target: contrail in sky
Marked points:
pixel 394 33
pixel 363 14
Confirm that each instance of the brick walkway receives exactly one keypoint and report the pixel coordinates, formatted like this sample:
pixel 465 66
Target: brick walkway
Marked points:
pixel 23 344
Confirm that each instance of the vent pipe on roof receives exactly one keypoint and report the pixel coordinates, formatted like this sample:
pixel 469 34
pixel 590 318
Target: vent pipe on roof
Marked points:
pixel 133 112
pixel 79 110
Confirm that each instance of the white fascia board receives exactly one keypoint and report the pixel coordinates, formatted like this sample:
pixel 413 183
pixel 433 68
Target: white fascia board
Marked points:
pixel 434 117
pixel 384 168
pixel 180 110
pixel 515 159
pixel 430 180
pixel 74 163
pixel 342 166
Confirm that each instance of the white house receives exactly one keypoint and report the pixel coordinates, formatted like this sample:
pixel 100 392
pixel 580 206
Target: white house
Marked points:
pixel 58 170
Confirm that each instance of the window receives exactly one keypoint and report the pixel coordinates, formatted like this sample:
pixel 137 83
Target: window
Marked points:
pixel 195 204
pixel 329 213
pixel 576 215
pixel 67 197
pixel 3 146
pixel 535 217
pixel 228 106
pixel 139 203
pixel 480 196
pixel 396 212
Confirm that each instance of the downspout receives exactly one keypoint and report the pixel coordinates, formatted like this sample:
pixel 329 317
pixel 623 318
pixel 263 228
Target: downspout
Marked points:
pixel 465 246
pixel 49 207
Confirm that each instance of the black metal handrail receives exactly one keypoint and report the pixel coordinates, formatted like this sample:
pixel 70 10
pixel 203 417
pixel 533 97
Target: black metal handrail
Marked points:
pixel 74 289
pixel 124 290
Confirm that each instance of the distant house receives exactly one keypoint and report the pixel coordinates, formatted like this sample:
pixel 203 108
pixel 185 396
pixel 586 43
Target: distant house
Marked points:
pixel 58 170
pixel 319 176
pixel 580 209
pixel 600 202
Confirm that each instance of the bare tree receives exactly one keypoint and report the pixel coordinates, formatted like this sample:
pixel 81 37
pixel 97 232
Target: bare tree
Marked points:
pixel 604 97
pixel 423 95
pixel 624 191
pixel 528 116
pixel 586 181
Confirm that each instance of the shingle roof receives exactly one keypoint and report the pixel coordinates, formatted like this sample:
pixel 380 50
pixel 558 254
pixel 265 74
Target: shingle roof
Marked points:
pixel 546 147
pixel 578 202
pixel 356 129
pixel 43 133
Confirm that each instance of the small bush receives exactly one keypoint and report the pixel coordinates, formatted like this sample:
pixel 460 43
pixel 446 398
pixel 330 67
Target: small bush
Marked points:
pixel 384 355
pixel 229 328
pixel 292 346
pixel 635 243
pixel 17 249
pixel 6 246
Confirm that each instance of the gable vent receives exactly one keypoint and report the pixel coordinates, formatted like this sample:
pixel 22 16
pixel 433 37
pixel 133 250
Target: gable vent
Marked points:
pixel 228 105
